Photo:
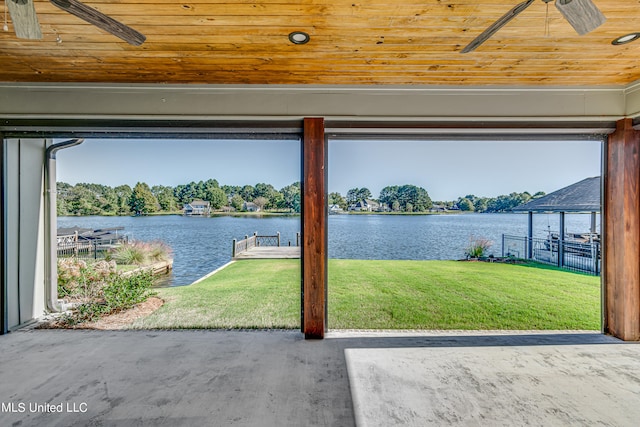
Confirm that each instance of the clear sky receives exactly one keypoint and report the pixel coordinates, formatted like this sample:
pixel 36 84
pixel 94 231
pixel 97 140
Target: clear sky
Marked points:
pixel 446 169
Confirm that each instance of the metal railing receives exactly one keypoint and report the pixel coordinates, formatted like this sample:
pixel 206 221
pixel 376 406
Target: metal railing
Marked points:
pixel 568 254
pixel 255 240
pixel 74 246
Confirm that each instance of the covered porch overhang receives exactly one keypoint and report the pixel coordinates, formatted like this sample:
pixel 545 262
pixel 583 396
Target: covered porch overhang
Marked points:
pixel 44 111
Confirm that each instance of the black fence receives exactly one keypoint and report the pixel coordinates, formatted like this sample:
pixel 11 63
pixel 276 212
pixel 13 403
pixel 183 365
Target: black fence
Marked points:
pixel 571 255
pixel 77 247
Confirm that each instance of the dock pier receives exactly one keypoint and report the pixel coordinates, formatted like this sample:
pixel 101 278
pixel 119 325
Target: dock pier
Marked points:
pixel 264 247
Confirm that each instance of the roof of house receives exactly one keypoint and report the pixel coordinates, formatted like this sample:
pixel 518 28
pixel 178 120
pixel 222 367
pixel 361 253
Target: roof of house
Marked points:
pixel 583 196
pixel 198 203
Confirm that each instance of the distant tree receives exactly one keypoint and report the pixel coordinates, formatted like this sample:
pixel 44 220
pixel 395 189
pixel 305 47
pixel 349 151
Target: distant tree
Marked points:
pixel 336 198
pixel 465 205
pixel 142 200
pixel 216 196
pixel 82 201
pixel 538 195
pixel 274 198
pixel 198 190
pixel 261 202
pixel 364 193
pixel 247 192
pixel 480 204
pixel 62 192
pixel 123 193
pixel 389 196
pixel 291 197
pixel 212 183
pixel 105 197
pixel 356 194
pixel 352 195
pixel 183 194
pixel 211 192
pixel 231 190
pixel 506 202
pixel 164 196
pixel 416 196
pixel 263 190
pixel 237 202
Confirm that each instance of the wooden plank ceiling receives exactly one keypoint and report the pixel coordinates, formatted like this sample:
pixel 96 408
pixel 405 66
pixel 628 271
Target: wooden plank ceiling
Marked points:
pixel 366 42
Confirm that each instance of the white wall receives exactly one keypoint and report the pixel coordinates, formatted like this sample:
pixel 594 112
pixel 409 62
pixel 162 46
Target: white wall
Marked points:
pixel 25 248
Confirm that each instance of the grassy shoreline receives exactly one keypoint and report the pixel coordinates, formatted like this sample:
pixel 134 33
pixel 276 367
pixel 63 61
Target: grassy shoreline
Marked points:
pixel 387 295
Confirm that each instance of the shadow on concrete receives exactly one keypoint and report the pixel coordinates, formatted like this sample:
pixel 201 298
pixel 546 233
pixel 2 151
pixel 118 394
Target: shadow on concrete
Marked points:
pixel 220 378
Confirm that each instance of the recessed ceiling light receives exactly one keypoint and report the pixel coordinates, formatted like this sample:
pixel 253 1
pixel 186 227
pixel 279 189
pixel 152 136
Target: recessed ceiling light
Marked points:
pixel 299 37
pixel 626 39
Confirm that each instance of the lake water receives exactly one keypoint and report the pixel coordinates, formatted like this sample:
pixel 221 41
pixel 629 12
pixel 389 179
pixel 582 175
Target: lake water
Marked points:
pixel 200 245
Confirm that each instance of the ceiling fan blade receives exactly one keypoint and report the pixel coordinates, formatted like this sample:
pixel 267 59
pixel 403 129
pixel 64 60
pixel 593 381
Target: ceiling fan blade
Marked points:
pixel 101 21
pixel 493 28
pixel 583 15
pixel 24 18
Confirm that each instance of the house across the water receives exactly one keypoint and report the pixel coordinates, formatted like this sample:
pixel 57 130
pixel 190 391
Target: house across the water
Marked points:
pixel 197 207
pixel 335 209
pixel 250 207
pixel 368 205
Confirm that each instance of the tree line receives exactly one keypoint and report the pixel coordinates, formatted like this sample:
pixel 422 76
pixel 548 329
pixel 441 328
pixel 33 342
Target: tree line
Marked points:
pixel 410 198
pixel 503 203
pixel 98 199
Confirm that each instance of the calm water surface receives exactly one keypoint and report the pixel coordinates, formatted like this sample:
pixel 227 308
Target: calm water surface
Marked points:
pixel 200 245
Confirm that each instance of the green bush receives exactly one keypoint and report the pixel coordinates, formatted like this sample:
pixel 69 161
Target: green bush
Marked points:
pixel 98 293
pixel 125 292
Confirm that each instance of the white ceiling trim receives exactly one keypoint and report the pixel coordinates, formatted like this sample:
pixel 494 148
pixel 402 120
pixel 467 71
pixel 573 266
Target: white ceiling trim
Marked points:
pixel 387 103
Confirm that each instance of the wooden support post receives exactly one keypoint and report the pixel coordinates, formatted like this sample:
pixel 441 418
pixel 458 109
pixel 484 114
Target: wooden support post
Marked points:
pixel 314 229
pixel 621 233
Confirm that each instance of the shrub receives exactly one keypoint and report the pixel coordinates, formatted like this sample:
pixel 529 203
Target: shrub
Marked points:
pixel 477 247
pixel 129 254
pixel 140 253
pixel 159 251
pixel 79 281
pixel 125 292
pixel 99 290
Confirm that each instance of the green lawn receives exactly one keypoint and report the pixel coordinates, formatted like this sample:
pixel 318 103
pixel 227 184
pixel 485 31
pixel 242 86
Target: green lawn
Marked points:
pixel 387 295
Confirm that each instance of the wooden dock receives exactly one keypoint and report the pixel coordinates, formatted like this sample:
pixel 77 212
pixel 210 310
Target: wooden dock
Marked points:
pixel 264 247
pixel 269 252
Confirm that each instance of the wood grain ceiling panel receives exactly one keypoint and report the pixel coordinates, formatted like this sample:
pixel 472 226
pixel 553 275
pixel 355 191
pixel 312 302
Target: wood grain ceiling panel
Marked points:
pixel 352 42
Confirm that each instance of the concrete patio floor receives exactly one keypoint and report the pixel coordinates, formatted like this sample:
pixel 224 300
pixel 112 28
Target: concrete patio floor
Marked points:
pixel 276 378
